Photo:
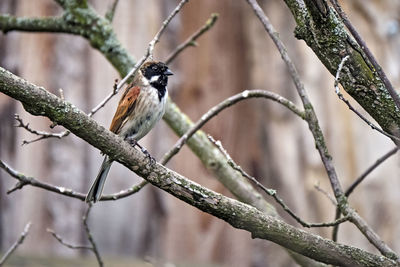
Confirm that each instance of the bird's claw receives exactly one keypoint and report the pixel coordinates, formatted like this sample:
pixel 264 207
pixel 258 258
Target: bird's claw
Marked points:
pixel 147 154
pixel 134 143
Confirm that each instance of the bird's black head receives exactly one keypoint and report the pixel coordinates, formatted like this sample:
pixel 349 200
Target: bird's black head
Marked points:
pixel 156 73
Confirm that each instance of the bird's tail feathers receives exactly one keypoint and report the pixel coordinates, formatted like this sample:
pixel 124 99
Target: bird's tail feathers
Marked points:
pixel 96 189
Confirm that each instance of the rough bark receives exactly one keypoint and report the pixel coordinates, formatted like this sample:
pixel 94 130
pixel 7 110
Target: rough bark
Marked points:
pixel 38 101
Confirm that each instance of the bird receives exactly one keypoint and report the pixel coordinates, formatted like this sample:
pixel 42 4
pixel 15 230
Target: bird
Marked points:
pixel 141 106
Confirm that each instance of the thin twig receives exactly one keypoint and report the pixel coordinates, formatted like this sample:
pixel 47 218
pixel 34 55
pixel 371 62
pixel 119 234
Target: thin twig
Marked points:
pixel 16 244
pixel 358 181
pixel 367 52
pixel 323 191
pixel 105 100
pixel 93 246
pixel 111 11
pixel 214 111
pixel 272 192
pixel 369 170
pixel 25 180
pixel 42 135
pixel 89 236
pixel 64 243
pixel 341 97
pixel 191 41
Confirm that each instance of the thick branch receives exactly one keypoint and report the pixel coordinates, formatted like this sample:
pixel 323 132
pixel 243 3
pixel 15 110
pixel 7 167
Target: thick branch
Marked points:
pixel 43 24
pixel 102 37
pixel 38 101
pixel 325 34
pixel 316 131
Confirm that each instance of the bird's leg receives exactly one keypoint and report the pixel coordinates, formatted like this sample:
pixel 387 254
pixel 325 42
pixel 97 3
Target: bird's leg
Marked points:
pixel 134 143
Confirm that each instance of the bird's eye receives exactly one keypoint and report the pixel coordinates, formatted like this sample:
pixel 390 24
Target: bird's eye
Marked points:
pixel 155 68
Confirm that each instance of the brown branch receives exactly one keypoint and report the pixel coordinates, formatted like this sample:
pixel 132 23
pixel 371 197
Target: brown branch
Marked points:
pixel 19 241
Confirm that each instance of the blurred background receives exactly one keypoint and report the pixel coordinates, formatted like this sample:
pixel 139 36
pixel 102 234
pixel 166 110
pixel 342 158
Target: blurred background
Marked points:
pixel 264 138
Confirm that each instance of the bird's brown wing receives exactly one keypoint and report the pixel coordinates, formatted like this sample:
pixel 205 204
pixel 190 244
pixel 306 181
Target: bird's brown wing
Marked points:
pixel 125 106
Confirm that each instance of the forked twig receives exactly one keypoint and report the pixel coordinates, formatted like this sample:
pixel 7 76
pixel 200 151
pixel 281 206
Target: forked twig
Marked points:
pixel 25 180
pixel 358 181
pixel 272 192
pixel 92 247
pixel 42 135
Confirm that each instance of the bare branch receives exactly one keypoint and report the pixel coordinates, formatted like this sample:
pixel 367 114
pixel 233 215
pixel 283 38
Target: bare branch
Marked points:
pixel 16 244
pixel 272 192
pixel 321 190
pixel 369 170
pixel 319 139
pixel 247 94
pixel 191 41
pixel 150 47
pixel 368 53
pixel 42 135
pixel 25 180
pixel 341 97
pixel 47 24
pixel 236 213
pixel 93 246
pixel 89 236
pixel 64 243
pixel 105 100
pixel 111 11
pixel 360 179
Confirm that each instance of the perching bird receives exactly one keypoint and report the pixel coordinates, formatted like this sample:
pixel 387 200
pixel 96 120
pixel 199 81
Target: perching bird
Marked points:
pixel 141 106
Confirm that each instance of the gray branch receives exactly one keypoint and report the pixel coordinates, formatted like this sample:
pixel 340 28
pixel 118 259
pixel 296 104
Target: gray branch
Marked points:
pixel 16 244
pixel 38 101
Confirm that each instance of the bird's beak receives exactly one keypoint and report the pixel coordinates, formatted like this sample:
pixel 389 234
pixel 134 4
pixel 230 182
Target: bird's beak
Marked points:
pixel 168 72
